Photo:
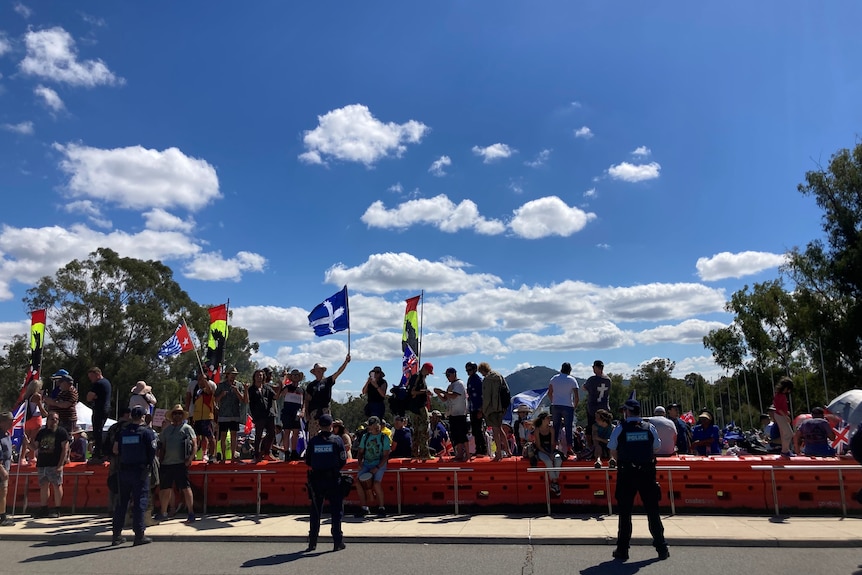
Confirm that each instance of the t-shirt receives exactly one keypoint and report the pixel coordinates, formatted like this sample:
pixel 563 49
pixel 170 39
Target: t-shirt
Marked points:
pixel 174 440
pixel 439 436
pixel 374 446
pixel 203 403
pixel 403 439
pixel 292 395
pixel 102 388
pixel 666 432
pixel 68 414
pixel 320 392
pixel 6 451
pixel 699 433
pixel 564 385
pixel 780 404
pixel 260 401
pixel 598 388
pixel 229 406
pixel 815 435
pixel 457 405
pixel 474 391
pixel 51 445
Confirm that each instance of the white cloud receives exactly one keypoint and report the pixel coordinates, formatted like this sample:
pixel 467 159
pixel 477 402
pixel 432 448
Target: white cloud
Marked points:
pixel 382 273
pixel 139 178
pixel 728 265
pixel 10 329
pixel 50 98
pixel 23 128
pixel 584 132
pixel 691 331
pixel 352 134
pixel 438 211
pixel 396 188
pixel 603 246
pixel 494 152
pixel 5 44
pixel 438 167
pixel 635 172
pixel 576 105
pixel 591 193
pixel 22 10
pixel 159 219
pixel 642 152
pixel 212 266
pixel 91 210
pixel 549 216
pixel 51 54
pixel 541 159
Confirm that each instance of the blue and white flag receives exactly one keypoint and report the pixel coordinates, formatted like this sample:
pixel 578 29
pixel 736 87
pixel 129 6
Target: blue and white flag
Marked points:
pixel 331 316
pixel 178 343
pixel 532 398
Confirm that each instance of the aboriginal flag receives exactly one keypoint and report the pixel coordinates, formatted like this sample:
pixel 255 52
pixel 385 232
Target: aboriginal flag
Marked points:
pixel 37 342
pixel 217 340
pixel 410 340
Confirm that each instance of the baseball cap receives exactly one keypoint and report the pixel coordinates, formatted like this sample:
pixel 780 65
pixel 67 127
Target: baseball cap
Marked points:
pixel 598 363
pixel 659 410
pixel 137 412
pixel 450 370
pixel 324 420
pixel 675 405
pixel 428 367
pixel 632 405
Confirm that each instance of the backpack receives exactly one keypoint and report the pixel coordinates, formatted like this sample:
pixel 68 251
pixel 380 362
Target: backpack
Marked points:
pixel 505 394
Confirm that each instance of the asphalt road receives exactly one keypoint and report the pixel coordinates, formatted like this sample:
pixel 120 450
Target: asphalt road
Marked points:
pixel 21 557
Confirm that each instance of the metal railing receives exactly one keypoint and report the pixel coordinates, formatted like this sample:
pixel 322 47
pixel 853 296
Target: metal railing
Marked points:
pixel 206 473
pixel 28 474
pixel 399 471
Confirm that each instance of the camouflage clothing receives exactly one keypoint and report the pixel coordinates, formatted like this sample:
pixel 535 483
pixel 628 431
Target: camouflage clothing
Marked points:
pixel 420 435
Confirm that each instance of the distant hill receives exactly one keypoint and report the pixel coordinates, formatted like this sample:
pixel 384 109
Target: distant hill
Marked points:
pixel 530 378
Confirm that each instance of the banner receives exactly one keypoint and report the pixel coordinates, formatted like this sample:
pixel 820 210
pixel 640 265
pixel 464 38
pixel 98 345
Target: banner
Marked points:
pixel 216 342
pixel 410 341
pixel 37 342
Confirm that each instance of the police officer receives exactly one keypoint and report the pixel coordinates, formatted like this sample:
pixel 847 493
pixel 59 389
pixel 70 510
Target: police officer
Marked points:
pixel 325 457
pixel 135 448
pixel 633 444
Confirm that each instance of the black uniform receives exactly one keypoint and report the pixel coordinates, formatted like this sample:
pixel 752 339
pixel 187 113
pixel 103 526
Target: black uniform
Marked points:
pixel 636 474
pixel 325 456
pixel 137 449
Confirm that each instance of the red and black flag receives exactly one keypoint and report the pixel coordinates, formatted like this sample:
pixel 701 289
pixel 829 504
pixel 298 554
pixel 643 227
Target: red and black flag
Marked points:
pixel 216 342
pixel 410 340
pixel 37 342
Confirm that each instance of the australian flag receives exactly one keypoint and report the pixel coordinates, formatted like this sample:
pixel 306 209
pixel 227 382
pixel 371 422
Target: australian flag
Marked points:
pixel 17 431
pixel 331 316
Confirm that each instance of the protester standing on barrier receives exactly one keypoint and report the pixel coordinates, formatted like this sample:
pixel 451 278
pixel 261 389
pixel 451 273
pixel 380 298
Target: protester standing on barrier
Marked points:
pixel 318 395
pixel 325 457
pixel 633 444
pixel 5 465
pixel 477 420
pixel 782 415
pixel 136 448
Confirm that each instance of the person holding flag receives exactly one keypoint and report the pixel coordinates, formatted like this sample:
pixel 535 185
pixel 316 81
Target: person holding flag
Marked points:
pixel 318 395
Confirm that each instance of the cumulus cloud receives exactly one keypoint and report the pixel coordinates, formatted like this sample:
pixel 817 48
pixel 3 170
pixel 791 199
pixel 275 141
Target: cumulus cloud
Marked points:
pixel 51 54
pixel 540 160
pixel 548 216
pixel 688 331
pixel 22 10
pixel 635 172
pixel 494 152
pixel 159 219
pixel 438 167
pixel 382 273
pixel 213 266
pixel 584 133
pixel 89 209
pixel 728 265
pixel 139 178
pixel 591 193
pixel 642 152
pixel 50 98
pixel 352 134
pixel 438 211
pixel 23 128
pixel 5 44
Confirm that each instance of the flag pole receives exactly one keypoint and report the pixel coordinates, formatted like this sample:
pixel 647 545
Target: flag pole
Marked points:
pixel 26 403
pixel 347 311
pixel 197 355
pixel 421 316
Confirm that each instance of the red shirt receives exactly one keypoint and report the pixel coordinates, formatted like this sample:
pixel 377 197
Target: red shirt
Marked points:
pixel 780 404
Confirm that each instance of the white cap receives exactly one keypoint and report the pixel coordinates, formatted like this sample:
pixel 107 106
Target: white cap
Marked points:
pixel 659 410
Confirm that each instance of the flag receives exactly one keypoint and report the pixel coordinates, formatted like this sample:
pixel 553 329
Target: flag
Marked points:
pixel 532 398
pixel 301 442
pixel 37 342
pixel 842 437
pixel 178 343
pixel 331 316
pixel 633 395
pixel 249 425
pixel 410 340
pixel 688 417
pixel 216 342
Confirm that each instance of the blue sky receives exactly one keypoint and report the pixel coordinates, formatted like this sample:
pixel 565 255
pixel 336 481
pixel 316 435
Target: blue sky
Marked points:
pixel 565 181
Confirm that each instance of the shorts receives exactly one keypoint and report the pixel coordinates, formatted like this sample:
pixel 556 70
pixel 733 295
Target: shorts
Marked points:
pixel 204 428
pixel 34 423
pixel 50 475
pixel 458 428
pixel 378 477
pixel 494 419
pixel 225 426
pixel 176 475
pixel 289 419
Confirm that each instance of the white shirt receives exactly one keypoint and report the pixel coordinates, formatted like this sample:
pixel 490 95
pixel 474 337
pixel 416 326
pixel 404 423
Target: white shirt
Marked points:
pixel 563 388
pixel 666 432
pixel 457 405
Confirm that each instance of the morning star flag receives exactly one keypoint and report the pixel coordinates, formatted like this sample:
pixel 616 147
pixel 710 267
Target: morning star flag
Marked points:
pixel 410 340
pixel 37 342
pixel 331 316
pixel 217 339
pixel 178 343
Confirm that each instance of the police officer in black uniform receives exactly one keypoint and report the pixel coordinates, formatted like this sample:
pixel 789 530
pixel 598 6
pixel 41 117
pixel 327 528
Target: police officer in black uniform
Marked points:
pixel 633 444
pixel 325 456
pixel 136 448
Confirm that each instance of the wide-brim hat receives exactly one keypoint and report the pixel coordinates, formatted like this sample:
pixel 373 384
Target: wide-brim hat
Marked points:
pixel 379 370
pixel 231 369
pixel 318 367
pixel 523 408
pixel 705 414
pixel 179 407
pixel 141 388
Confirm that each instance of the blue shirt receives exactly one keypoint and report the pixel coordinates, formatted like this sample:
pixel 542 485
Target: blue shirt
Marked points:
pixel 474 391
pixel 710 432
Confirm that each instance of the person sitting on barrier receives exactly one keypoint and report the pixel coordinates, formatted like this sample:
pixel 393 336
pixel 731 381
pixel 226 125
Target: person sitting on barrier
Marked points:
pixel 523 429
pixel 374 448
pixel 602 429
pixel 705 436
pixel 439 435
pixel 544 441
pixel 815 435
pixel 78 447
pixel 683 432
pixel 666 432
pixel 341 431
pixel 402 439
